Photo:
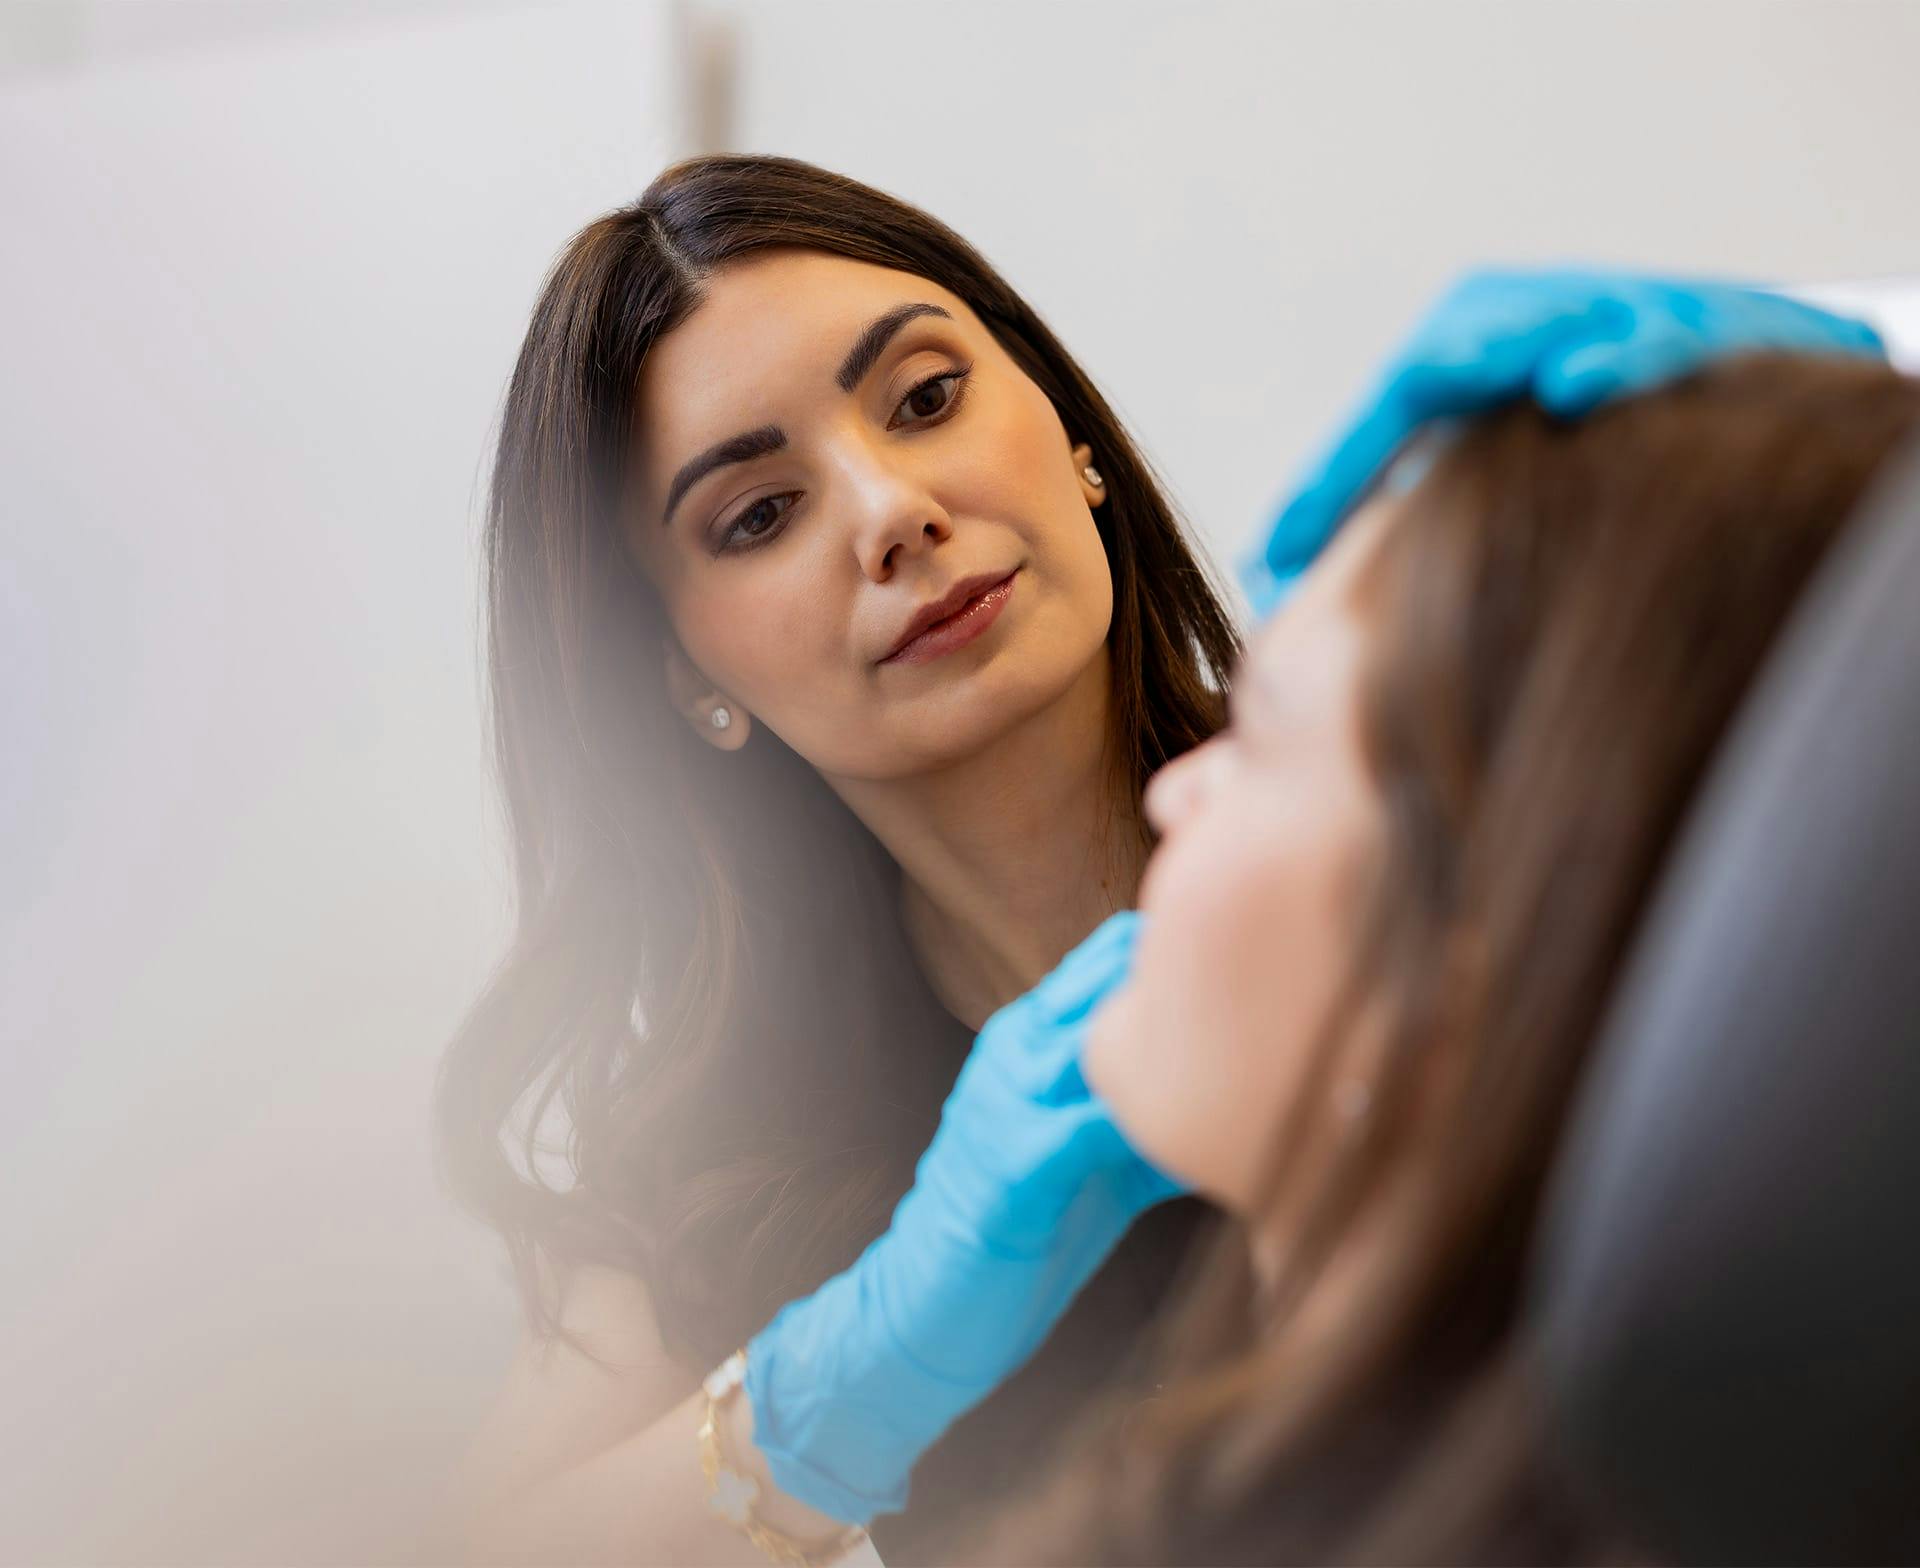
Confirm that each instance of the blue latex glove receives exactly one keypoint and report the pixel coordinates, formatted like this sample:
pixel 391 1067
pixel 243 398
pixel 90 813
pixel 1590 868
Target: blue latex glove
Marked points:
pixel 1568 340
pixel 1026 1188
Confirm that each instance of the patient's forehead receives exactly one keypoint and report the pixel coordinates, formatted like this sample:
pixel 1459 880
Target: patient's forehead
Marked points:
pixel 1358 542
pixel 1299 687
pixel 1327 595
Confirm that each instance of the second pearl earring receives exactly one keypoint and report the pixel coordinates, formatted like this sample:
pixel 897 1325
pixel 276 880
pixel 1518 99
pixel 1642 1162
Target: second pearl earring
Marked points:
pixel 1092 476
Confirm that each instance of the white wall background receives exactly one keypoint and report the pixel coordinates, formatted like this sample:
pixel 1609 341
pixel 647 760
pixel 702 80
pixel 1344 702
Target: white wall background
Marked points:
pixel 264 271
pixel 1230 211
pixel 259 299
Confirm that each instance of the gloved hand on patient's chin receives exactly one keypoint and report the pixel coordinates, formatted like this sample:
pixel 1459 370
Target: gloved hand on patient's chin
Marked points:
pixel 1568 340
pixel 1026 1188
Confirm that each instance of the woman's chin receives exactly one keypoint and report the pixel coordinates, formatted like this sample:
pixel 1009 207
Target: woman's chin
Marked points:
pixel 977 707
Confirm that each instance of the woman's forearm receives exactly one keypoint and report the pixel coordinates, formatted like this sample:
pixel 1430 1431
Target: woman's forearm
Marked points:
pixel 644 1500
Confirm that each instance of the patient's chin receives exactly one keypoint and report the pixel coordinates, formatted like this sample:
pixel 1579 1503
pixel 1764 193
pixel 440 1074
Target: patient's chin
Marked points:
pixel 1120 1066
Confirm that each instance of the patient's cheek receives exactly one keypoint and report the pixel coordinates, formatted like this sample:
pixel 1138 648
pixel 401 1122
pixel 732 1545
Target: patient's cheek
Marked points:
pixel 1131 1065
pixel 1245 944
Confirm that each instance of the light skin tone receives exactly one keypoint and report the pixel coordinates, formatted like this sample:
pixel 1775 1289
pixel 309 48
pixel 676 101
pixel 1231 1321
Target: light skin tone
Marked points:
pixel 827 448
pixel 1271 834
pixel 790 575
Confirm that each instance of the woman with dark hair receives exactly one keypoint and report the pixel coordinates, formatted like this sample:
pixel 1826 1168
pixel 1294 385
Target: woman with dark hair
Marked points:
pixel 1386 911
pixel 836 625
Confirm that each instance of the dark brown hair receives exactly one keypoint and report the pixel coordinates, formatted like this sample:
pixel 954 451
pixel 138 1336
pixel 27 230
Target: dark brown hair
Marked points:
pixel 709 1014
pixel 1568 616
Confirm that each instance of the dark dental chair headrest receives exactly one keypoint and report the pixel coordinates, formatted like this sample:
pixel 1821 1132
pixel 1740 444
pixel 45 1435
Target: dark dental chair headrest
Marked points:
pixel 1727 1302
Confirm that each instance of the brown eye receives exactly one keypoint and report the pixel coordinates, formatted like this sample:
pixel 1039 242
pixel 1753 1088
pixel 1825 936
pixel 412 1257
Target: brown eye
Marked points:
pixel 758 518
pixel 756 523
pixel 924 402
pixel 931 401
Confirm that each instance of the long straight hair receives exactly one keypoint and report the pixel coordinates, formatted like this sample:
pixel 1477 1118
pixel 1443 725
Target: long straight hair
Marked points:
pixel 1566 619
pixel 706 1058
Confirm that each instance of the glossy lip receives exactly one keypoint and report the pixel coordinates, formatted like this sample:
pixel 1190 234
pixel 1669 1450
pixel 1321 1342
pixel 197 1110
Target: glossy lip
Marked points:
pixel 954 619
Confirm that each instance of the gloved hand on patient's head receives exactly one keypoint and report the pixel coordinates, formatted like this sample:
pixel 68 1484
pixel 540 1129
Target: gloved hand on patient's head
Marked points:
pixel 1567 340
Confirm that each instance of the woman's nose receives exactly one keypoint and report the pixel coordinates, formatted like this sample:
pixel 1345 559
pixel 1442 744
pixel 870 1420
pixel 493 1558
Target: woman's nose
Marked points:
pixel 894 516
pixel 883 555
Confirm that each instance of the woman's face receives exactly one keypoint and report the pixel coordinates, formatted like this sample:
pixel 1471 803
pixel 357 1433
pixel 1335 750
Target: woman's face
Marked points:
pixel 1270 833
pixel 832 451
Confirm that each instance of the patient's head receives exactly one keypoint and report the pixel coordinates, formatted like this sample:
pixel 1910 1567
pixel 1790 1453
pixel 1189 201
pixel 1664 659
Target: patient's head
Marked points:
pixel 1271 836
pixel 1390 902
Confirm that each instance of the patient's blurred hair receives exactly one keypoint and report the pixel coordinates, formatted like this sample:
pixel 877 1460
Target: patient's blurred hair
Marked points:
pixel 1568 616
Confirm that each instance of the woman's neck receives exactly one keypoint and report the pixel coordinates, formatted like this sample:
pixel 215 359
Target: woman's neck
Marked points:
pixel 1012 856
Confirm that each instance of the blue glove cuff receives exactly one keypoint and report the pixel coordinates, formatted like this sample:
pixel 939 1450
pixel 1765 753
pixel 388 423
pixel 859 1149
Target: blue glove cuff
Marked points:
pixel 800 1480
pixel 817 1393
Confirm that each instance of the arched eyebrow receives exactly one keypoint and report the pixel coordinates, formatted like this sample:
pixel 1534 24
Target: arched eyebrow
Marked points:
pixel 735 449
pixel 866 350
pixel 871 343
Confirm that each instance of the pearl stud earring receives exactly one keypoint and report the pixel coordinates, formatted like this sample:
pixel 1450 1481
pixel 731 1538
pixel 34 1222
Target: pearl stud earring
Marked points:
pixel 720 718
pixel 1092 476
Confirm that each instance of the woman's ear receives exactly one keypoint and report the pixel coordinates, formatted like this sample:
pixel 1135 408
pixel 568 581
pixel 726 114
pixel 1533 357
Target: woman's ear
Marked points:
pixel 1092 485
pixel 716 718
